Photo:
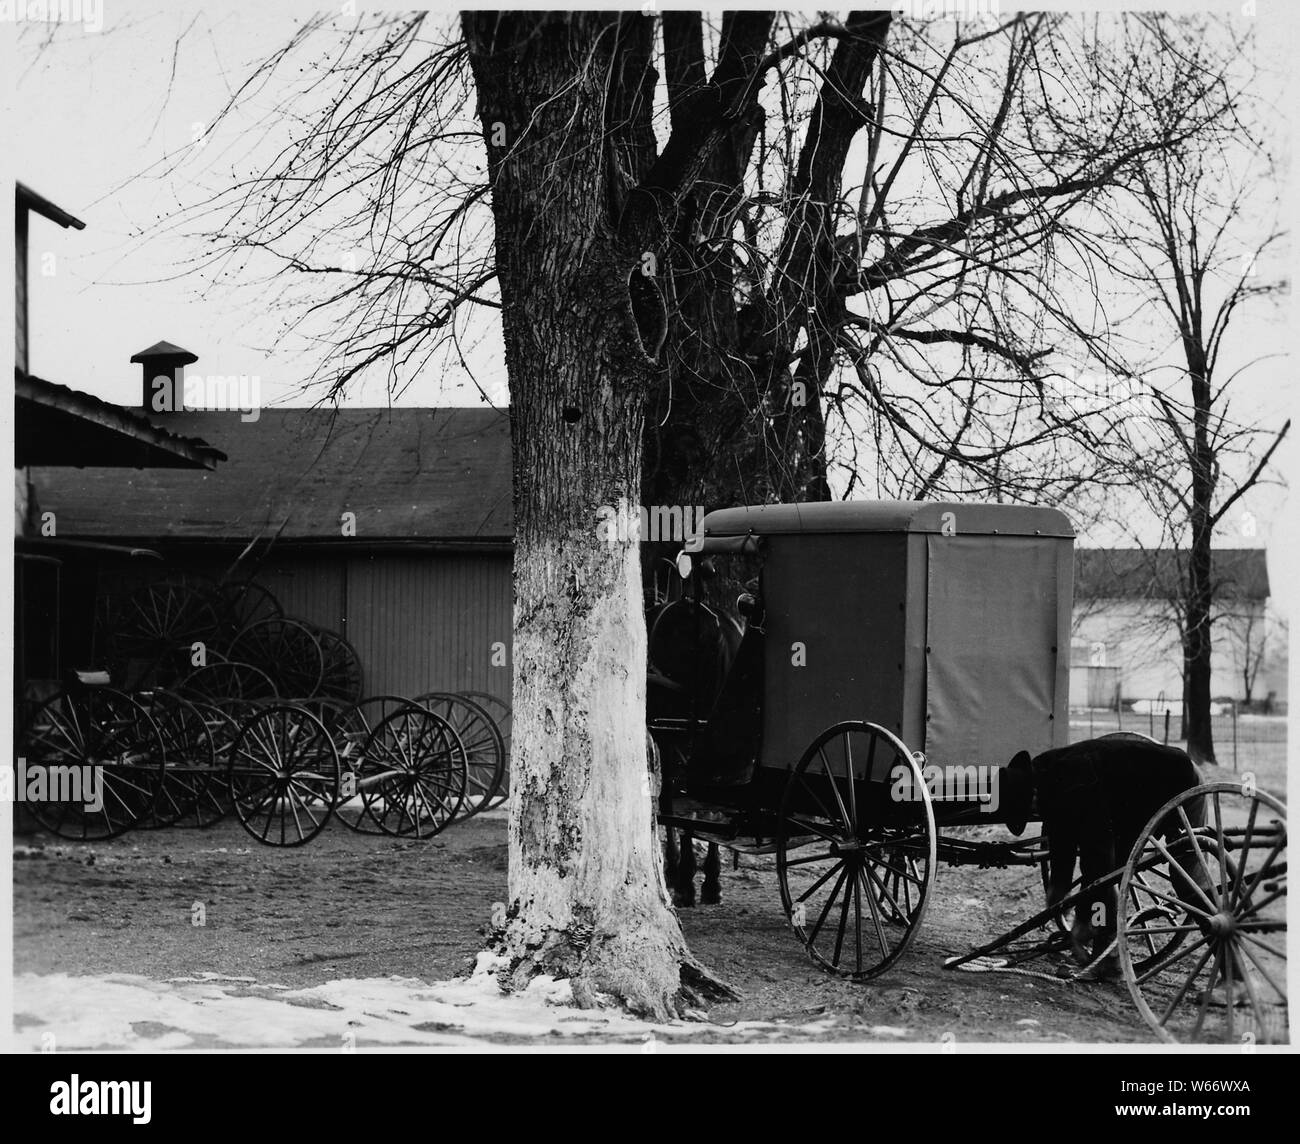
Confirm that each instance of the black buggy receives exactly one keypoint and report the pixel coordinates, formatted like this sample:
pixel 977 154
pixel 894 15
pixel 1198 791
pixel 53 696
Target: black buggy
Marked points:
pixel 892 658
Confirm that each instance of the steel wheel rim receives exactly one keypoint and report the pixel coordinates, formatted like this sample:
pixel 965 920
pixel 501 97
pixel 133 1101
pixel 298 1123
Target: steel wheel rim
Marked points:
pixel 861 856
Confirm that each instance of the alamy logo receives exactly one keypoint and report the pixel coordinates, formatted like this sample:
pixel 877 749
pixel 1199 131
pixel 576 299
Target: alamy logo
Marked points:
pixel 39 783
pixel 208 391
pixel 77 1097
pixel 624 522
pixel 88 13
pixel 977 784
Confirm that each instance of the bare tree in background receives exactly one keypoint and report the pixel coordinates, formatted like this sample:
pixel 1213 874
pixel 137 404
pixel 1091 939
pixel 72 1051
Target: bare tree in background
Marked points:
pixel 1190 241
pixel 1253 636
pixel 704 240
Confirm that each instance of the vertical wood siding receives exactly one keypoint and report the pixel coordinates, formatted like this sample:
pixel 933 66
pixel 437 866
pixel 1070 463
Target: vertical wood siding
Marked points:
pixel 431 623
pixel 419 623
pixel 311 588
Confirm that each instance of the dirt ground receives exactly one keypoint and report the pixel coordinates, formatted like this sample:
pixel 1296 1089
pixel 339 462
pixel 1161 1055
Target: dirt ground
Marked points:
pixel 359 906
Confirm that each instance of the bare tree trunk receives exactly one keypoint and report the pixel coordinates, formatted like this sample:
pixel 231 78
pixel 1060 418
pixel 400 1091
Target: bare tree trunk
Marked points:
pixel 588 899
pixel 1200 572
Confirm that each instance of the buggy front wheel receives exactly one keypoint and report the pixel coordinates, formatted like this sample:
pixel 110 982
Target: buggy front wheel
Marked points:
pixel 856 849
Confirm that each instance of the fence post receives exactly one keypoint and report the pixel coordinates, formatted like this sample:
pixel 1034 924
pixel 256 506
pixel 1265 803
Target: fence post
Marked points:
pixel 1167 714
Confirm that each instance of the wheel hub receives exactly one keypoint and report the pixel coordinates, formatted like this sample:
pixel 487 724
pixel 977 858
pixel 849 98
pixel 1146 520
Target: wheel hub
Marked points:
pixel 1222 924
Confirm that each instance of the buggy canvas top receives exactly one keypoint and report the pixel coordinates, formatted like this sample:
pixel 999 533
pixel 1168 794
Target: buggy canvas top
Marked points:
pixel 888 516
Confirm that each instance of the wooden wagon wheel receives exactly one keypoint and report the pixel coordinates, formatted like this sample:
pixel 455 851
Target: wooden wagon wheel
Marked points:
pixel 500 711
pixel 158 619
pixel 217 682
pixel 213 801
pixel 419 774
pixel 1208 877
pixel 247 602
pixel 485 752
pixel 351 729
pixel 283 775
pixel 856 859
pixel 113 743
pixel 287 651
pixel 342 677
pixel 190 758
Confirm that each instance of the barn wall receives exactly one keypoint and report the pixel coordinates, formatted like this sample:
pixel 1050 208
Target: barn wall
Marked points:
pixel 1140 640
pixel 311 588
pixel 430 623
pixel 421 622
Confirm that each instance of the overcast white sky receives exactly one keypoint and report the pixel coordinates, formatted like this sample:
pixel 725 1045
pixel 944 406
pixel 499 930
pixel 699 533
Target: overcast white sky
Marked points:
pixel 91 114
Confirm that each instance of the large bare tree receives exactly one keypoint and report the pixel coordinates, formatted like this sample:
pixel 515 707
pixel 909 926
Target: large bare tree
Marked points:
pixel 706 239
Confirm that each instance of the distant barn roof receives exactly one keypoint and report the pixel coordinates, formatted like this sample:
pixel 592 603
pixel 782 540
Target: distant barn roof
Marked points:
pixel 1155 573
pixel 407 474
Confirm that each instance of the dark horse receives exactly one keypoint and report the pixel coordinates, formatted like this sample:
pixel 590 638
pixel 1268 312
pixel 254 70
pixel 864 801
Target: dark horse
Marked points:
pixel 691 649
pixel 1094 798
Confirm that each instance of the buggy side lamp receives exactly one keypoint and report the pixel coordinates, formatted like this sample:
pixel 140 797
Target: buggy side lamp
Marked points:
pixel 684 565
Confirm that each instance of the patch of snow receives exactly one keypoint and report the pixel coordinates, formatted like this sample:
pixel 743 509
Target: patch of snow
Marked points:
pixel 211 1010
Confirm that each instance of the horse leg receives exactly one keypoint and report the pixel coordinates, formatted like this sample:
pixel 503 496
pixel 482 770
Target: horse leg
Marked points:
pixel 711 891
pixel 684 887
pixel 670 855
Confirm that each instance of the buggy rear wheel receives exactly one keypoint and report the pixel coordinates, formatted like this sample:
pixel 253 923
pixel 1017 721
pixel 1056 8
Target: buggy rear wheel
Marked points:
pixel 1201 926
pixel 856 857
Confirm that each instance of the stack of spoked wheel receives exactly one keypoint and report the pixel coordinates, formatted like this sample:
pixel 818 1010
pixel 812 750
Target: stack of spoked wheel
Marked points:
pixel 1202 918
pixel 500 712
pixel 351 727
pixel 190 771
pixel 484 747
pixel 110 756
pixel 414 775
pixel 856 849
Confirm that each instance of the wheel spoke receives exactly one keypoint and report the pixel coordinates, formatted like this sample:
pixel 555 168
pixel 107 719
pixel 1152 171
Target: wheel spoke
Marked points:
pixel 1245 850
pixel 875 918
pixel 1176 865
pixel 835 790
pixel 817 885
pixel 830 901
pixel 1264 973
pixel 853 797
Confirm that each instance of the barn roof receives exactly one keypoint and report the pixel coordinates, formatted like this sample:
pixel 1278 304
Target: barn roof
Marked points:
pixel 406 474
pixel 1155 573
